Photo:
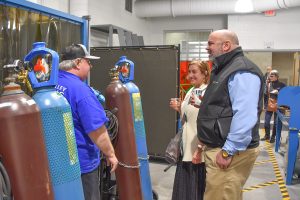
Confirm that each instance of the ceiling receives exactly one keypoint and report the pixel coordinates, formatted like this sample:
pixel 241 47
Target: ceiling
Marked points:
pixel 175 8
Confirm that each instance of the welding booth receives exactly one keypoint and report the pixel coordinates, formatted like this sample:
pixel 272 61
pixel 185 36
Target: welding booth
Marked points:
pixel 29 168
pixel 23 24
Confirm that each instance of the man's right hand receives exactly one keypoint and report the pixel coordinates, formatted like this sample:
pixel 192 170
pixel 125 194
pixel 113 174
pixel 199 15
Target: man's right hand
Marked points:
pixel 113 162
pixel 101 138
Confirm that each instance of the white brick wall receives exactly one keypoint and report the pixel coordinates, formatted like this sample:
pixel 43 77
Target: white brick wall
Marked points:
pixel 256 31
pixel 113 12
pixel 159 25
pixel 62 5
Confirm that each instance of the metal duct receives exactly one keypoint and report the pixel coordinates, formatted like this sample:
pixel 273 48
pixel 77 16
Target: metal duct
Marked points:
pixel 79 7
pixel 163 8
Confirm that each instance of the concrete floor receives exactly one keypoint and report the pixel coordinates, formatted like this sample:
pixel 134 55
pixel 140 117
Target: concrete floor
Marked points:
pixel 162 182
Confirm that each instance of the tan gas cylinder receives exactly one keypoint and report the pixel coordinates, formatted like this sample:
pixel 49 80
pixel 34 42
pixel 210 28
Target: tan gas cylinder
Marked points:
pixel 22 145
pixel 127 174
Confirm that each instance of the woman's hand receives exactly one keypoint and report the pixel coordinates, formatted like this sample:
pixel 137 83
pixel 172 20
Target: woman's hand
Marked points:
pixel 197 156
pixel 175 103
pixel 194 101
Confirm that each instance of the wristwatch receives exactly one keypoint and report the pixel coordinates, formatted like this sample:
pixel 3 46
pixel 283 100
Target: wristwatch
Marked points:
pixel 225 154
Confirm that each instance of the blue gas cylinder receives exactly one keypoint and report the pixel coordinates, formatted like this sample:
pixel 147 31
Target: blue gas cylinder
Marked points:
pixel 57 123
pixel 126 75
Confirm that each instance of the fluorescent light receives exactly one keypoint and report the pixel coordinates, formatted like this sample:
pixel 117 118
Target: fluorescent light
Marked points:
pixel 243 6
pixel 193 42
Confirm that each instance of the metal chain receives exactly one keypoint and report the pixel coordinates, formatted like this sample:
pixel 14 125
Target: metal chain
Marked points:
pixel 144 158
pixel 129 166
pixel 134 166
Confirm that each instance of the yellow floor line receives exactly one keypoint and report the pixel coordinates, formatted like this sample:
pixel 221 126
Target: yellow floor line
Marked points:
pixel 260 186
pixel 282 187
pixel 262 162
pixel 279 180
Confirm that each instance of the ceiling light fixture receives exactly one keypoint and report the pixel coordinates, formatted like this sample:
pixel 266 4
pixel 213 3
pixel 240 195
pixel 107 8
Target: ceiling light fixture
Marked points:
pixel 243 6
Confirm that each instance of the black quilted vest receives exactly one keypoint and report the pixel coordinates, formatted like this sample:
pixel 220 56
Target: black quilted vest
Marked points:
pixel 215 113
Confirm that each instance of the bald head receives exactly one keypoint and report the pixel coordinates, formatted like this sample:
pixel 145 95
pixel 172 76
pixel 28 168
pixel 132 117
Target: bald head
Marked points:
pixel 220 42
pixel 227 35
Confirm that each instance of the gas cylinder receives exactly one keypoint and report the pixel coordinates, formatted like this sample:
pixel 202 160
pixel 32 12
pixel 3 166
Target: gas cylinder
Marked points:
pixel 126 75
pixel 127 174
pixel 22 147
pixel 57 123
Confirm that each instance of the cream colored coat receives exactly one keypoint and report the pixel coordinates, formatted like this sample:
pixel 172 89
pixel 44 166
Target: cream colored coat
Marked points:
pixel 189 134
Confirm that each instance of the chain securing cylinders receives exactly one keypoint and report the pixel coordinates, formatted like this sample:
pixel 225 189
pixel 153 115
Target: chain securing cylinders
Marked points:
pixel 127 175
pixel 112 129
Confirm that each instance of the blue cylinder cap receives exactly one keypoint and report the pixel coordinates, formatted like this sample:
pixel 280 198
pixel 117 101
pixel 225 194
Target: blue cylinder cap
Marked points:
pixel 125 64
pixel 38 45
pixel 47 62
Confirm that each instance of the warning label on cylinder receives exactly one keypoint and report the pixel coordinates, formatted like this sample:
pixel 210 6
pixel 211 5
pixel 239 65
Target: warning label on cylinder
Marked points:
pixel 137 107
pixel 70 136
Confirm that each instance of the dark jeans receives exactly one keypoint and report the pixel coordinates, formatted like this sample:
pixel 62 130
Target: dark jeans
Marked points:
pixel 265 101
pixel 90 184
pixel 268 116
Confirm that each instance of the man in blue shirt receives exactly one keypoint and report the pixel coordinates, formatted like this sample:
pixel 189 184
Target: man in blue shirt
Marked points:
pixel 88 116
pixel 228 119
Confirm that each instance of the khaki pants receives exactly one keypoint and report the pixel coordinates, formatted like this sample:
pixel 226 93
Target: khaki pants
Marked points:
pixel 228 184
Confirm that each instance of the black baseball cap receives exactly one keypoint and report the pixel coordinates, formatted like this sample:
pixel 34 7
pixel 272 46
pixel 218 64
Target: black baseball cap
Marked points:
pixel 76 51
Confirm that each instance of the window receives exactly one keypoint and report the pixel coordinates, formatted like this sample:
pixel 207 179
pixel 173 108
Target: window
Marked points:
pixel 128 5
pixel 192 43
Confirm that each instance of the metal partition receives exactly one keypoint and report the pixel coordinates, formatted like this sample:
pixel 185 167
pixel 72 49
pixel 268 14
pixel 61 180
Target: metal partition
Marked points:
pixel 156 75
pixel 22 23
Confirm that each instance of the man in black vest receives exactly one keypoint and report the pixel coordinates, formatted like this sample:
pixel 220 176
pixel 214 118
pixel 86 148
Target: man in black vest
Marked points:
pixel 228 118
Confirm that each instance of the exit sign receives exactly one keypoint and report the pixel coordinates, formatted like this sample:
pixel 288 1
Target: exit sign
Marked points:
pixel 270 13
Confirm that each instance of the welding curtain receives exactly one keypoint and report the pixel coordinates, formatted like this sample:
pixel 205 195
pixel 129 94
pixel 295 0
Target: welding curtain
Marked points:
pixel 20 28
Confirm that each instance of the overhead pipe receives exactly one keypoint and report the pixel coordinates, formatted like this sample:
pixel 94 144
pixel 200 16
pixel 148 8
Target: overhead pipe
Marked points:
pixel 174 8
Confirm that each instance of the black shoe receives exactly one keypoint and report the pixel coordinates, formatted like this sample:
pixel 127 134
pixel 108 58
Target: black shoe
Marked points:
pixel 264 138
pixel 272 140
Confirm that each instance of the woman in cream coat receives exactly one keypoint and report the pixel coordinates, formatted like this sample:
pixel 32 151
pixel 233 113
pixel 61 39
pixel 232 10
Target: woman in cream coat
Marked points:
pixel 189 183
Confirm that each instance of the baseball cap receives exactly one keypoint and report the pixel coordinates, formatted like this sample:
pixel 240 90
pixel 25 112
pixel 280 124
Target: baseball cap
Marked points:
pixel 76 51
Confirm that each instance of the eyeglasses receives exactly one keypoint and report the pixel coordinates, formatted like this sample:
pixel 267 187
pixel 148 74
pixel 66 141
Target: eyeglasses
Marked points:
pixel 88 61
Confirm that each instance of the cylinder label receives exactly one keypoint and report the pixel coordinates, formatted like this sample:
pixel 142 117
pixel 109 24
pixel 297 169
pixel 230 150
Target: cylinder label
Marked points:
pixel 137 107
pixel 70 136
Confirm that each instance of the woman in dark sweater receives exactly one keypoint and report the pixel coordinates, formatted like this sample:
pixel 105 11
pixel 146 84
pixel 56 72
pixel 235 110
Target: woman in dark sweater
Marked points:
pixel 273 88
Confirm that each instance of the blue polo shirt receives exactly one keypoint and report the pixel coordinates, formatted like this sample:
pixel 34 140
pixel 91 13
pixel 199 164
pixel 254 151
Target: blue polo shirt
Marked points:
pixel 88 115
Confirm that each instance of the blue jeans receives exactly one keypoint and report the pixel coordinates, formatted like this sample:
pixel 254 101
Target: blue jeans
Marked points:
pixel 268 116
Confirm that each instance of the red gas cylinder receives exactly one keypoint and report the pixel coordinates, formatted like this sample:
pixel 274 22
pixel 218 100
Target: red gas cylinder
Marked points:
pixel 22 145
pixel 127 174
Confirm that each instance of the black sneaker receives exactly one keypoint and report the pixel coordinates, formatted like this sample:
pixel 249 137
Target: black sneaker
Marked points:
pixel 264 138
pixel 272 140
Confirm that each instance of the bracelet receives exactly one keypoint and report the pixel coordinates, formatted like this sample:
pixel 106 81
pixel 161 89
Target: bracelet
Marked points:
pixel 201 147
